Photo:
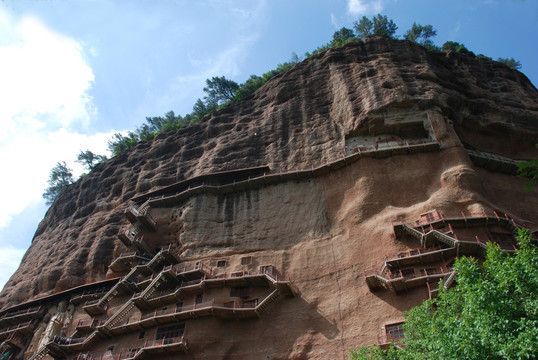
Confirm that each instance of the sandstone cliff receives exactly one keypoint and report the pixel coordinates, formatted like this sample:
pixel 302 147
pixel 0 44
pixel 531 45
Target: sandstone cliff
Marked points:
pixel 323 231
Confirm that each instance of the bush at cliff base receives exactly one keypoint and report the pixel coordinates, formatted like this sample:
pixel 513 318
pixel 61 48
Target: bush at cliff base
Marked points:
pixel 491 312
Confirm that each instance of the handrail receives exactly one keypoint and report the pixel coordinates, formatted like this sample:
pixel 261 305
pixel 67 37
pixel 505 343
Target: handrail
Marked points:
pixel 22 325
pixel 33 309
pixel 444 219
pixel 148 344
pixel 399 144
pixel 265 179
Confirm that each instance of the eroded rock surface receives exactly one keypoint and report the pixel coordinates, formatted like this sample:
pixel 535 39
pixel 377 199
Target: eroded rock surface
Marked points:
pixel 325 231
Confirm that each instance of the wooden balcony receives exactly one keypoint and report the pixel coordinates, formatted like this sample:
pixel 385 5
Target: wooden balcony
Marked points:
pixel 61 345
pixel 439 222
pixel 494 162
pixel 126 261
pixel 191 272
pixel 95 307
pixel 392 334
pixel 154 349
pixel 233 309
pixel 142 215
pixel 16 339
pixel 402 281
pixel 25 328
pixel 128 236
pixel 87 295
pixel 14 317
pixel 420 256
pixel 166 256
pixel 89 325
pixel 198 285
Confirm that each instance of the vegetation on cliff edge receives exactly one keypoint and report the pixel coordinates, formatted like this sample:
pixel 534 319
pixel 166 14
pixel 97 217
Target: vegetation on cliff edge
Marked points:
pixel 221 91
pixel 491 312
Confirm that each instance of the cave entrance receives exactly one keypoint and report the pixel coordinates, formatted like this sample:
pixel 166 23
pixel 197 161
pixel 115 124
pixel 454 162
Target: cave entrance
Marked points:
pixel 390 132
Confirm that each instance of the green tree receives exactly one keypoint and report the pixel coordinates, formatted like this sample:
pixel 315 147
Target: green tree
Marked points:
pixel 249 86
pixel 219 90
pixel 491 313
pixel 421 34
pixel 342 36
pixel 384 26
pixel 529 169
pixel 201 109
pixel 454 46
pixel 120 142
pixel 89 159
pixel 379 25
pixel 483 57
pixel 59 178
pixel 294 59
pixel 157 124
pixel 511 63
pixel 364 27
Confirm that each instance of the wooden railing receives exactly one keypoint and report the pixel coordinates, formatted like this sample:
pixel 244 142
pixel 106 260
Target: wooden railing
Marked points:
pixel 20 326
pixel 12 314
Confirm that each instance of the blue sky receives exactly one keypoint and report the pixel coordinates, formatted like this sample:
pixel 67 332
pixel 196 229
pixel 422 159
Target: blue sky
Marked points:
pixel 72 73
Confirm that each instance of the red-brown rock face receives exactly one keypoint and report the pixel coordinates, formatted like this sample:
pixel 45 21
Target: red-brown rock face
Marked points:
pixel 323 229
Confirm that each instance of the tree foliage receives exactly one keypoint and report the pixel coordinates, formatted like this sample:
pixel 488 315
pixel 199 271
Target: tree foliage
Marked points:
pixel 342 36
pixel 248 87
pixel 147 131
pixel 379 25
pixel 89 159
pixel 511 63
pixel 220 90
pixel 59 178
pixel 383 26
pixel 120 142
pixel 455 46
pixel 491 313
pixel 364 27
pixel 421 34
pixel 529 169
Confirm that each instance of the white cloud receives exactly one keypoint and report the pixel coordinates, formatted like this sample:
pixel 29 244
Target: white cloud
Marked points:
pixel 364 7
pixel 27 161
pixel 455 31
pixel 43 74
pixel 44 92
pixel 334 21
pixel 10 258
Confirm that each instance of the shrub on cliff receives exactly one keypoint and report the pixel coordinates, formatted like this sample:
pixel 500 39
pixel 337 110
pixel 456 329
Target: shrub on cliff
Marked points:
pixel 491 313
pixel 455 46
pixel 422 34
pixel 90 160
pixel 379 25
pixel 342 36
pixel 59 178
pixel 511 63
pixel 220 89
pixel 529 169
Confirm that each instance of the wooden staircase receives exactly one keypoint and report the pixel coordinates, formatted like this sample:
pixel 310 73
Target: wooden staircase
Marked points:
pixel 119 315
pixel 267 301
